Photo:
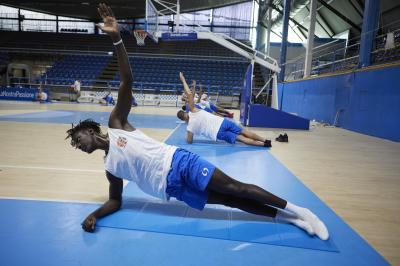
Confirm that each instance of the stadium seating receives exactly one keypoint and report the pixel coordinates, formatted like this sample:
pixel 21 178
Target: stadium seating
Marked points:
pixel 163 74
pixel 217 68
pixel 73 67
pixel 152 73
pixel 3 58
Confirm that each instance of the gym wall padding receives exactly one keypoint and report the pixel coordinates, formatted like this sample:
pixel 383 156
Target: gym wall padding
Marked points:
pixel 367 101
pixel 263 116
pixel 246 94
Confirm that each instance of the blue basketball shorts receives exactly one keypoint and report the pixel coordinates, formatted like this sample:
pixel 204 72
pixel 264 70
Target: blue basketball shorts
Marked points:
pixel 198 107
pixel 229 131
pixel 188 178
pixel 213 107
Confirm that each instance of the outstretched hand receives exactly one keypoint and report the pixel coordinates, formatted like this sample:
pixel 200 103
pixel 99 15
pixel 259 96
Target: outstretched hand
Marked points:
pixel 110 23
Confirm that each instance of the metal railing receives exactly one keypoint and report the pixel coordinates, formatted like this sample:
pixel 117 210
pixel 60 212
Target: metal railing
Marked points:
pixel 335 57
pixel 227 98
pixel 139 86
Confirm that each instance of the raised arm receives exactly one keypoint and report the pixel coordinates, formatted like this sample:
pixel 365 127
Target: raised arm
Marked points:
pixel 119 115
pixel 110 206
pixel 188 93
pixel 194 92
pixel 201 92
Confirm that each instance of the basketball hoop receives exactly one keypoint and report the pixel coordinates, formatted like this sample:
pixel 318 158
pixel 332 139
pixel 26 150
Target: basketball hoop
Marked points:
pixel 140 35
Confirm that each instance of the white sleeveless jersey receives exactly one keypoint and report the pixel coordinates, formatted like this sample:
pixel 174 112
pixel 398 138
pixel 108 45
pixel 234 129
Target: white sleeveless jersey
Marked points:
pixel 204 104
pixel 204 124
pixel 139 158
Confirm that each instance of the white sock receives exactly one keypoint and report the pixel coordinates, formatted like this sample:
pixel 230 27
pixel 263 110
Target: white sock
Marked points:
pixel 283 216
pixel 306 215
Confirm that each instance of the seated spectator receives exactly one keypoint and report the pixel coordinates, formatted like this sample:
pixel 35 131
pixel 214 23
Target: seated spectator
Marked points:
pixel 41 96
pixel 77 89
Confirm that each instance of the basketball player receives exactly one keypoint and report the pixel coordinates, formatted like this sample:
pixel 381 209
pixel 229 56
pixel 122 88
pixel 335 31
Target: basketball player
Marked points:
pixel 197 104
pixel 213 127
pixel 166 171
pixel 203 101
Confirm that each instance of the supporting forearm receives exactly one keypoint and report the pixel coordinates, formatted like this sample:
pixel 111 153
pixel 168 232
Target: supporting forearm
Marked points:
pixel 108 208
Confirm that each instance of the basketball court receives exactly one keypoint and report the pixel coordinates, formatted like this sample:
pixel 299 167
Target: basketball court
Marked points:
pixel 47 188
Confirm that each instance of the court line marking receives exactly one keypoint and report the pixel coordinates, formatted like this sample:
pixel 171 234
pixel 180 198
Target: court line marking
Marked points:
pixel 172 132
pixel 52 200
pixel 241 246
pixel 51 168
pixel 11 112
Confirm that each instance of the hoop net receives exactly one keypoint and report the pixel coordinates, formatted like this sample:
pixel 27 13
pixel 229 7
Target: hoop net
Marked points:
pixel 140 36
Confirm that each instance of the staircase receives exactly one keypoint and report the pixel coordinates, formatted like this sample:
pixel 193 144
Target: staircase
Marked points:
pixel 258 80
pixel 258 84
pixel 107 74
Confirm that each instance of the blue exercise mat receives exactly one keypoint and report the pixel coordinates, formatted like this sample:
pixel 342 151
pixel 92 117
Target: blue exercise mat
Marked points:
pixel 140 212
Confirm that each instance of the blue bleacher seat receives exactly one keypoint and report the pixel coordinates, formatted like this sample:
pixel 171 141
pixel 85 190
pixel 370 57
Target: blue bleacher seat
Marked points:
pixel 216 75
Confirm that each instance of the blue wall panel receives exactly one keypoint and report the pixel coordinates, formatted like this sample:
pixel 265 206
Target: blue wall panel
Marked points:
pixel 367 102
pixel 312 99
pixel 246 92
pixel 263 116
pixel 375 104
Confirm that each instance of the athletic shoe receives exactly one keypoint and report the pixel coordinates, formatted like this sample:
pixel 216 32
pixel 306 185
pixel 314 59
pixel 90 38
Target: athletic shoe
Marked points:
pixel 286 137
pixel 267 143
pixel 282 138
